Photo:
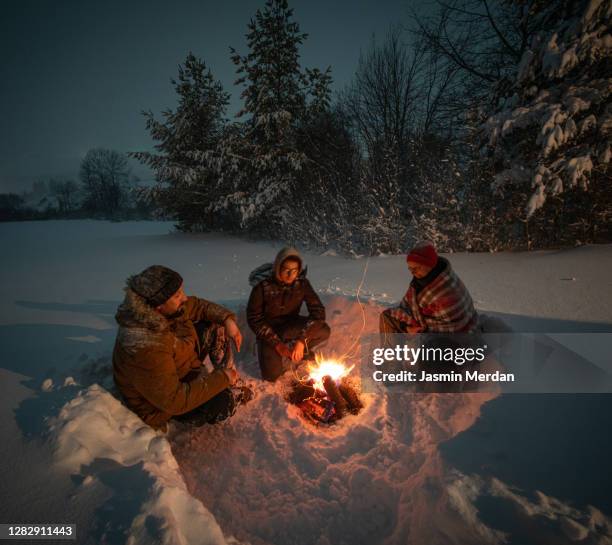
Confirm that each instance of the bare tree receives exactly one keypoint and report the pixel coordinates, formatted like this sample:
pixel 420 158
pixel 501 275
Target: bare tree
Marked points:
pixel 401 92
pixel 104 174
pixel 382 99
pixel 484 39
pixel 65 193
pixel 401 107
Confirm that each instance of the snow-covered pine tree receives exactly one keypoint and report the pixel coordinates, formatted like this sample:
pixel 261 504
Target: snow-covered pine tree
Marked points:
pixel 549 137
pixel 278 97
pixel 273 81
pixel 186 142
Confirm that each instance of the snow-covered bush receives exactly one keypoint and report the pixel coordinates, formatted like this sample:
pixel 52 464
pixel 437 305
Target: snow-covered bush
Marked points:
pixel 549 137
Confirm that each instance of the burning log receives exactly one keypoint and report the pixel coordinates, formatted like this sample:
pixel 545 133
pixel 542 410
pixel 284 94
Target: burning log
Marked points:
pixel 325 395
pixel 318 409
pixel 354 403
pixel 301 391
pixel 334 394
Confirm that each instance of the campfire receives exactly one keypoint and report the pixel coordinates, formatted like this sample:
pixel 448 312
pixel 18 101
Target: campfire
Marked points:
pixel 325 394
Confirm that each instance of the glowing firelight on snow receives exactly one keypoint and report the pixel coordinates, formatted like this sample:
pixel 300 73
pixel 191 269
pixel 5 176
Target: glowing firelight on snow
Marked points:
pixel 329 366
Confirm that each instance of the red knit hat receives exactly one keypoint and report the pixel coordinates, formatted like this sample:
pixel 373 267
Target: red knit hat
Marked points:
pixel 423 253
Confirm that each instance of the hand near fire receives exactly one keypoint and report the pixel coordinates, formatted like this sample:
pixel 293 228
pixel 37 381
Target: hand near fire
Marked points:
pixel 283 350
pixel 233 332
pixel 295 354
pixel 298 351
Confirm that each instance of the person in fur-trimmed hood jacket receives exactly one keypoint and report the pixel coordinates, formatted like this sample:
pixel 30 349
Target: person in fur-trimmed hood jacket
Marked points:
pixel 273 313
pixel 437 301
pixel 162 340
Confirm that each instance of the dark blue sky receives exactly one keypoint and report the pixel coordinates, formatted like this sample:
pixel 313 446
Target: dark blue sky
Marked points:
pixel 75 75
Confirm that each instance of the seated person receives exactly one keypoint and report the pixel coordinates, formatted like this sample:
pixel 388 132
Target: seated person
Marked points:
pixel 436 301
pixel 273 313
pixel 162 340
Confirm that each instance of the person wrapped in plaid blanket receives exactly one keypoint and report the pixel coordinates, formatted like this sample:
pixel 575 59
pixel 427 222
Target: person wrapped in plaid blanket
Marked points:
pixel 437 301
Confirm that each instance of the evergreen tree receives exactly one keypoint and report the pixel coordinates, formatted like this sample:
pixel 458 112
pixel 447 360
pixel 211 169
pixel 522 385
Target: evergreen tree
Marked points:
pixel 12 207
pixel 187 139
pixel 279 98
pixel 270 73
pixel 549 135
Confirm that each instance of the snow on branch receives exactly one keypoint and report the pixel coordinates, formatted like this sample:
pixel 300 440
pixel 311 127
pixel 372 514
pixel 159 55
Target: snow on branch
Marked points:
pixel 553 126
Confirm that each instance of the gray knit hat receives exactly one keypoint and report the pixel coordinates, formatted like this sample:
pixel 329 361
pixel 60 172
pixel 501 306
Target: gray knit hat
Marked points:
pixel 156 284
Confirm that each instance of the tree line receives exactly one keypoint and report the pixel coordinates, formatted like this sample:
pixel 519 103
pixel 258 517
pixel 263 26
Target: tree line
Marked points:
pixel 441 135
pixel 105 189
pixel 477 125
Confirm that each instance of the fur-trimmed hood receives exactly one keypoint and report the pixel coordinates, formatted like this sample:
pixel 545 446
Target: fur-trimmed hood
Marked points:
pixel 134 312
pixel 140 326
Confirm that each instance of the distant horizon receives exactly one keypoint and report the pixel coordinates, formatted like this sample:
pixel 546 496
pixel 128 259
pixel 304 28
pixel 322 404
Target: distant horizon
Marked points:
pixel 82 75
pixel 137 169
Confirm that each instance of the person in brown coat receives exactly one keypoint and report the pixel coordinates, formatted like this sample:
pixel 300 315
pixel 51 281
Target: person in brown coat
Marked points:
pixel 273 313
pixel 163 338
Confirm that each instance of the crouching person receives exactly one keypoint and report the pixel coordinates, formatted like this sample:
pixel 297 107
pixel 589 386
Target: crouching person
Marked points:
pixel 437 301
pixel 162 340
pixel 273 313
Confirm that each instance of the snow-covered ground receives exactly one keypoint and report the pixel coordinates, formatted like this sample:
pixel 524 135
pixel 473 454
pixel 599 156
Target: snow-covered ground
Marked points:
pixel 409 469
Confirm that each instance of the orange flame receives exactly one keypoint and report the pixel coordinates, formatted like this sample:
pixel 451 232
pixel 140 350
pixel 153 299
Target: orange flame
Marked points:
pixel 322 367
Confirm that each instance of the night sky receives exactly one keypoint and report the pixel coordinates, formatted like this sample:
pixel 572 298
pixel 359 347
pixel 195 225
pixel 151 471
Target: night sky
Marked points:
pixel 75 75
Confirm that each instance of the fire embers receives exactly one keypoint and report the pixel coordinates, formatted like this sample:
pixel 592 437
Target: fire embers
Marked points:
pixel 328 405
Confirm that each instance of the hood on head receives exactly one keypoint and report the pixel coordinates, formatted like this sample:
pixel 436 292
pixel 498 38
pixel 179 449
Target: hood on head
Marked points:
pixel 282 256
pixel 136 312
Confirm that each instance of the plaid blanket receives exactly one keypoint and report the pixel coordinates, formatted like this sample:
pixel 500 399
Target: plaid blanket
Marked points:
pixel 442 306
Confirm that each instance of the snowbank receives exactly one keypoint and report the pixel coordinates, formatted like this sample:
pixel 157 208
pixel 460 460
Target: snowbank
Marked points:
pixel 95 425
pixel 552 520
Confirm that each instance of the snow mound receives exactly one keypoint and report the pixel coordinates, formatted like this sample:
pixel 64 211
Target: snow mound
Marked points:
pixel 94 425
pixel 545 516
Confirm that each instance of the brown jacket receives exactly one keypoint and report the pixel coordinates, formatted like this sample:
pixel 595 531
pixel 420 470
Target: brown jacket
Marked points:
pixel 153 353
pixel 273 303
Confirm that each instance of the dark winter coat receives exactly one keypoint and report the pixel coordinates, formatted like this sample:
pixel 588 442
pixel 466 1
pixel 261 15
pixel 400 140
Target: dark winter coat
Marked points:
pixel 153 353
pixel 439 303
pixel 273 303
